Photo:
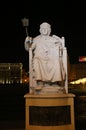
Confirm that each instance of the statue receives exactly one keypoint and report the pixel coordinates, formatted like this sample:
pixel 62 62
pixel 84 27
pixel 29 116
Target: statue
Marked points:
pixel 47 62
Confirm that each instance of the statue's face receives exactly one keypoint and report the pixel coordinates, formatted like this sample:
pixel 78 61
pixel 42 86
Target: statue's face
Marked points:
pixel 44 31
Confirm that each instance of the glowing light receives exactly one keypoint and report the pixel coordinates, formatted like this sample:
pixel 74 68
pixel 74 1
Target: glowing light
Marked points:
pixel 82 59
pixel 83 80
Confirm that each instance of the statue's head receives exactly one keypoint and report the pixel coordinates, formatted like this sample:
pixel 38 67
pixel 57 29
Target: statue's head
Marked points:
pixel 47 26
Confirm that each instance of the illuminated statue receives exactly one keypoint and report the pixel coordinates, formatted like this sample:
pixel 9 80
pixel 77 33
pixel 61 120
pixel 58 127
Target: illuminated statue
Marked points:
pixel 48 62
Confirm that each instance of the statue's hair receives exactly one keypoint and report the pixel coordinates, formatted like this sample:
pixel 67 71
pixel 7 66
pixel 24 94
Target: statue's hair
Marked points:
pixel 45 24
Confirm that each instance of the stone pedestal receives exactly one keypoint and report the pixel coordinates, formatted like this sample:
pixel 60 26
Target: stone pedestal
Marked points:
pixel 49 111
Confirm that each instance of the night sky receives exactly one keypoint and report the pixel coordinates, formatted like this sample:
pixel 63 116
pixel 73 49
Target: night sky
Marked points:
pixel 66 18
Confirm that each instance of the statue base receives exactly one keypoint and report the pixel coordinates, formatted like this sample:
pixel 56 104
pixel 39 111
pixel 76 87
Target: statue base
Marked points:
pixel 48 90
pixel 49 111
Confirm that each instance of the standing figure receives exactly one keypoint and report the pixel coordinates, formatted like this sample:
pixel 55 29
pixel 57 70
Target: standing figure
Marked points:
pixel 47 65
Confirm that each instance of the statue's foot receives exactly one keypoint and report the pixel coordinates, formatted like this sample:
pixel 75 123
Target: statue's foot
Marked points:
pixel 38 88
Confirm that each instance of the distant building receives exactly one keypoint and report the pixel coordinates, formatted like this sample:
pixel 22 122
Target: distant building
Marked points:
pixel 10 73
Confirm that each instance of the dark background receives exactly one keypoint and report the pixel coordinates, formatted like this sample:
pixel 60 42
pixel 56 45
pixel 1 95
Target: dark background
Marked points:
pixel 67 18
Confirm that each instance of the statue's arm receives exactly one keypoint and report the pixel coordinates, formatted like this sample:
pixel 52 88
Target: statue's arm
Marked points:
pixel 60 41
pixel 31 43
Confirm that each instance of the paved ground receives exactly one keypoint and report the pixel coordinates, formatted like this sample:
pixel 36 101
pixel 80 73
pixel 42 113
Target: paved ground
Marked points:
pixel 11 129
pixel 20 125
pixel 12 125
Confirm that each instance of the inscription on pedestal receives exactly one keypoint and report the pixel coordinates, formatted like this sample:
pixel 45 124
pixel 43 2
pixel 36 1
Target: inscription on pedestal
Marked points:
pixel 49 116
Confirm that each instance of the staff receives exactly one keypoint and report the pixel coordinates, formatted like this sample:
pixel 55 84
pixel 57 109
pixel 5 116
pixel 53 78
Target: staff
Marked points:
pixel 25 23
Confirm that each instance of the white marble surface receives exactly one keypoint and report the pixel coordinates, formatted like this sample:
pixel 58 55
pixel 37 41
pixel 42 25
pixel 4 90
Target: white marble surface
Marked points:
pixel 46 60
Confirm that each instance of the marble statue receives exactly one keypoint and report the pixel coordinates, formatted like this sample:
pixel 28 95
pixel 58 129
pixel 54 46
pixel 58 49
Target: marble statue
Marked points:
pixel 47 62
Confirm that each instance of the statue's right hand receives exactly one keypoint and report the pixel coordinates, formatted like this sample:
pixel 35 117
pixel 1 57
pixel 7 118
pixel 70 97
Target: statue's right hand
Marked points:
pixel 27 39
pixel 28 43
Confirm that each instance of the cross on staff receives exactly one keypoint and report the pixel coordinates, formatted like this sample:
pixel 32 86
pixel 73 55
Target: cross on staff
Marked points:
pixel 25 23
